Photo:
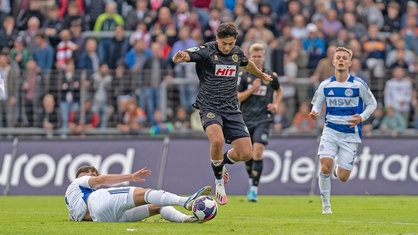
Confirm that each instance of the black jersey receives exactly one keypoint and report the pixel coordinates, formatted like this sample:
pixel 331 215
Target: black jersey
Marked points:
pixel 254 108
pixel 218 75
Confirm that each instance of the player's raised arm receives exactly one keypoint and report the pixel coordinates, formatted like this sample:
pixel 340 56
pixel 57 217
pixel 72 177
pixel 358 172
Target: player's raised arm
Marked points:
pixel 252 68
pixel 110 179
pixel 181 56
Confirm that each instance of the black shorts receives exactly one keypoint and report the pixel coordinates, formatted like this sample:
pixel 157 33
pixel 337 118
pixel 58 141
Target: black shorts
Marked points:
pixel 260 133
pixel 233 125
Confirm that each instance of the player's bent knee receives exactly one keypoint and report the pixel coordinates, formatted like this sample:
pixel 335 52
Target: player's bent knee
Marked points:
pixel 153 209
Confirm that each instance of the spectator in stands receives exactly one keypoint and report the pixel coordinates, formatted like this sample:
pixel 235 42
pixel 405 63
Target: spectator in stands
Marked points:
pixel 341 40
pixel 141 33
pixel 182 13
pixel 165 24
pixel 370 14
pixel 43 54
pixel 314 45
pixel 281 120
pixel 373 122
pixel 410 33
pixel 77 125
pixel 301 121
pixel 374 47
pixel 9 75
pixel 194 24
pixel 20 53
pixel 101 84
pixel 116 49
pixel 75 15
pixel 293 9
pixel 30 33
pixel 164 45
pixel 89 58
pixel 355 29
pixel 392 20
pixel 209 29
pixel 185 70
pixel 69 93
pixel 411 11
pixel 108 20
pixel 398 92
pixel 331 24
pixel 159 125
pixel 400 56
pixel 34 10
pixel 393 122
pixel 65 50
pixel 53 26
pixel 65 7
pixel 155 70
pixel 357 70
pixel 141 13
pixel 270 17
pixel 8 33
pixel 48 117
pixel 299 29
pixel 323 70
pixel 122 86
pixel 259 23
pixel 92 11
pixel 133 118
pixel 136 56
pixel 31 88
pixel 77 37
pixel 182 120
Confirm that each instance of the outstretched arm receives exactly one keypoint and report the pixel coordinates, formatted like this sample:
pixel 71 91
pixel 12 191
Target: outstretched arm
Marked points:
pixel 107 180
pixel 252 68
pixel 181 56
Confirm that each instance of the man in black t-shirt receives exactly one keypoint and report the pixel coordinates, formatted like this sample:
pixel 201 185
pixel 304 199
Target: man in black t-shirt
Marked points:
pixel 217 66
pixel 259 101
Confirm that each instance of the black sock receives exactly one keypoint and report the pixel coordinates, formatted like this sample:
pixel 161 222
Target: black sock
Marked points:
pixel 256 171
pixel 248 167
pixel 226 159
pixel 217 170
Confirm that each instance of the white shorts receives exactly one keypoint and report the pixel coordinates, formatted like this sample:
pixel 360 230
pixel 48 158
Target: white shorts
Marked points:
pixel 345 152
pixel 110 205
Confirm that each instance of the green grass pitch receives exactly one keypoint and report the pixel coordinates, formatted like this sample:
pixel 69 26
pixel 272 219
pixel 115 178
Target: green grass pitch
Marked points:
pixel 271 215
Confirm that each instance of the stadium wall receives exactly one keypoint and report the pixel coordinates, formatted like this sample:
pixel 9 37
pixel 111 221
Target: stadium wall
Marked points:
pixel 386 166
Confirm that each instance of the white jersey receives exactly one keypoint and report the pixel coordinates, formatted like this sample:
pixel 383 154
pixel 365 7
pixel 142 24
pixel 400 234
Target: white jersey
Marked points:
pixel 75 197
pixel 343 100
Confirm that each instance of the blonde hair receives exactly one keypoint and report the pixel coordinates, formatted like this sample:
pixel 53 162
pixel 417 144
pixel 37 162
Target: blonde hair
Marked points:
pixel 350 52
pixel 256 47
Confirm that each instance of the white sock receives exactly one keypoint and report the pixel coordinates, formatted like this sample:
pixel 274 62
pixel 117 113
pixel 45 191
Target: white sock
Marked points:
pixel 324 182
pixel 250 182
pixel 255 189
pixel 172 215
pixel 217 162
pixel 219 181
pixel 162 198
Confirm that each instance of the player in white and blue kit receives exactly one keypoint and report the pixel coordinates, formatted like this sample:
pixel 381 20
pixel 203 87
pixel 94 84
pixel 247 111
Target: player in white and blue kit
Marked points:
pixel 348 102
pixel 123 204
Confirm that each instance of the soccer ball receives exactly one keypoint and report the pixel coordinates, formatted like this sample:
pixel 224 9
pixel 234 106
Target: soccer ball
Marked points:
pixel 204 208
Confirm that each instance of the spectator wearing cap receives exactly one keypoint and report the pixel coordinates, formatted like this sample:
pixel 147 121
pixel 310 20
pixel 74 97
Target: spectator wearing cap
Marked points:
pixel 314 45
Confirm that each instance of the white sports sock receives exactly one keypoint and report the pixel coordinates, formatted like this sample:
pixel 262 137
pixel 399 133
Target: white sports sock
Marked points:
pixel 219 181
pixel 254 188
pixel 162 198
pixel 135 214
pixel 250 182
pixel 217 162
pixel 171 214
pixel 324 182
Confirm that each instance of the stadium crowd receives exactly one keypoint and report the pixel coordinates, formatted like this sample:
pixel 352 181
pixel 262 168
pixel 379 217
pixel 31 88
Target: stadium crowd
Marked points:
pixel 75 65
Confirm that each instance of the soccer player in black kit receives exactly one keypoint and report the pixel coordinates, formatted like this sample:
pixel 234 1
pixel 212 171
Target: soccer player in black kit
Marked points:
pixel 217 66
pixel 259 101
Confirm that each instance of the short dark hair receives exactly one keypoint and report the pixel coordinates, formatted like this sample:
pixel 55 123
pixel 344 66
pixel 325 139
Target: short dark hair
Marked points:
pixel 226 30
pixel 86 169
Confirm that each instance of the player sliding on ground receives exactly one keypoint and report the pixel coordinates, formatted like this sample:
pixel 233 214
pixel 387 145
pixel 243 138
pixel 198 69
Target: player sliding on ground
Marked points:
pixel 217 68
pixel 123 204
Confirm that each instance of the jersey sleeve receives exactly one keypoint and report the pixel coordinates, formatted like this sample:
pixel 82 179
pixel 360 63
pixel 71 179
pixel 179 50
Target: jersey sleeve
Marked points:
pixel 83 181
pixel 197 53
pixel 242 81
pixel 318 99
pixel 369 101
pixel 244 59
pixel 275 83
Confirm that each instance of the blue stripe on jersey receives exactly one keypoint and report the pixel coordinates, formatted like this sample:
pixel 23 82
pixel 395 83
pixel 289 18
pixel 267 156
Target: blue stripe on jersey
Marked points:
pixel 341 111
pixel 341 92
pixel 118 191
pixel 86 192
pixel 340 128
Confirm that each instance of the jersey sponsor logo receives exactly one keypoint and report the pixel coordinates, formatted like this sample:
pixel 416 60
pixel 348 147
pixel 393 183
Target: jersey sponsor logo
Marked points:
pixel 342 102
pixel 225 70
pixel 235 57
pixel 261 91
pixel 331 92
